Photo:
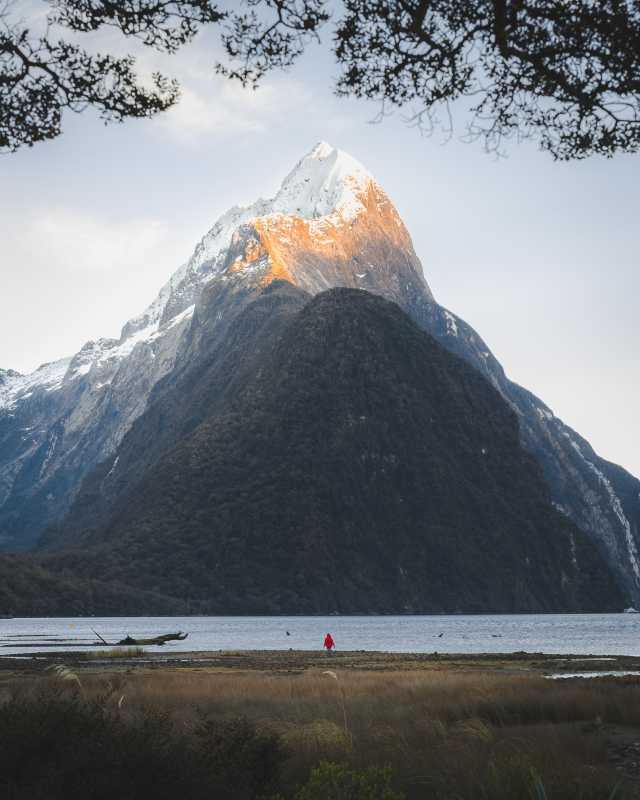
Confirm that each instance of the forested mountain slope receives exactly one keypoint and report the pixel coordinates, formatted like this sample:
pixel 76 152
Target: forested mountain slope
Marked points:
pixel 357 467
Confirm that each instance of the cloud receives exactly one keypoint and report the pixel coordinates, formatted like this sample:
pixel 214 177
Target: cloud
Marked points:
pixel 73 241
pixel 210 104
pixel 224 107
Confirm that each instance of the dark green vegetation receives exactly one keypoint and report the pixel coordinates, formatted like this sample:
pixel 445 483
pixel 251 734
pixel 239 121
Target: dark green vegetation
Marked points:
pixel 316 735
pixel 331 456
pixel 57 747
pixel 28 589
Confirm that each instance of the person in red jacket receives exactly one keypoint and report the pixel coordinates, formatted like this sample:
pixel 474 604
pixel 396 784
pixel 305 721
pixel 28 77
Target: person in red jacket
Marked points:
pixel 329 644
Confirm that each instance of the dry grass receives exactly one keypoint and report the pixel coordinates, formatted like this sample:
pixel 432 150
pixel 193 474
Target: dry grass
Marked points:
pixel 445 734
pixel 389 698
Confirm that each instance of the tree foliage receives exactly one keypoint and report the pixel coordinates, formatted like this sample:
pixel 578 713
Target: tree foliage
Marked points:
pixel 566 72
pixel 40 77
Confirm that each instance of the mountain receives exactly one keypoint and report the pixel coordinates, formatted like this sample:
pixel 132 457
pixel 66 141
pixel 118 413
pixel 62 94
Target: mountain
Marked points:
pixel 358 467
pixel 330 225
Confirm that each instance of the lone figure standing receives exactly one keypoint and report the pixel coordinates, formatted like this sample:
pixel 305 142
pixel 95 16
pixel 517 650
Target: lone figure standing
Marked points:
pixel 329 644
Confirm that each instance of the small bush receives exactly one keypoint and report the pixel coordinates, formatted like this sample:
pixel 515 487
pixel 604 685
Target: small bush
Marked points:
pixel 332 781
pixel 235 754
pixel 318 738
pixel 56 746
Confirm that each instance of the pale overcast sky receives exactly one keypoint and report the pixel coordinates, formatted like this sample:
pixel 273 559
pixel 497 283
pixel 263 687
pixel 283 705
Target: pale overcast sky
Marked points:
pixel 541 258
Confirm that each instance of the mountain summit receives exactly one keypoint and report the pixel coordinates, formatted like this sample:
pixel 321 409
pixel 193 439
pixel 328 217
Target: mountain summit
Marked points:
pixel 329 225
pixel 327 181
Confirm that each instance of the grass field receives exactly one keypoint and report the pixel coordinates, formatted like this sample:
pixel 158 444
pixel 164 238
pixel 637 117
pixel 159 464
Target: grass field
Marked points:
pixel 462 731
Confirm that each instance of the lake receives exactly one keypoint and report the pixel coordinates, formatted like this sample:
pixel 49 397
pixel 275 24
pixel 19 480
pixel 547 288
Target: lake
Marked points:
pixel 614 634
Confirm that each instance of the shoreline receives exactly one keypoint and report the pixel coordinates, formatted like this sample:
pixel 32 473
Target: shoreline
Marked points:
pixel 300 661
pixel 333 615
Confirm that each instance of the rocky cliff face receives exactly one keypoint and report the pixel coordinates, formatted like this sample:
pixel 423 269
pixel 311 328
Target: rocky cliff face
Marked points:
pixel 329 225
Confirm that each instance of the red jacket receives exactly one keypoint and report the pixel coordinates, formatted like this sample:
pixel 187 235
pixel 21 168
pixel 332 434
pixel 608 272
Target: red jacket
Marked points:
pixel 328 642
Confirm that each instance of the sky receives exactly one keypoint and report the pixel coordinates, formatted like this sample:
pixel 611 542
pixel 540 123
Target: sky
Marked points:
pixel 541 258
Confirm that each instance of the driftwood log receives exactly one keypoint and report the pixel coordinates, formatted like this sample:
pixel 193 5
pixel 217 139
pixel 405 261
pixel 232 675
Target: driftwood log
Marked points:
pixel 166 637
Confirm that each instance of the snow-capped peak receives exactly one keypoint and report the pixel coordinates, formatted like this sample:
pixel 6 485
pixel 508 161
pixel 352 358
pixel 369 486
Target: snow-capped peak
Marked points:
pixel 325 181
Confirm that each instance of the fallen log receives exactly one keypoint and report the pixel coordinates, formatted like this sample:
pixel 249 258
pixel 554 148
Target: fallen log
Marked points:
pixel 157 640
pixel 104 641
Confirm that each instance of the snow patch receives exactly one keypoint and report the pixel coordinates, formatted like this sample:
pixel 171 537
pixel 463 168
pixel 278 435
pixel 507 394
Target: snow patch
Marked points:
pixel 181 317
pixel 82 369
pixel 48 377
pixel 113 467
pixel 49 454
pixel 452 326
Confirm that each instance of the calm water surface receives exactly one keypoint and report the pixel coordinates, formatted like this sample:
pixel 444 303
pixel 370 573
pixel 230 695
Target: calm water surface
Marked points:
pixel 615 634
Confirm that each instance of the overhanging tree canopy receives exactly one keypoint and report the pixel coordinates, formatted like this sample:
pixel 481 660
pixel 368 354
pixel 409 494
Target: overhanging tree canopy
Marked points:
pixel 566 72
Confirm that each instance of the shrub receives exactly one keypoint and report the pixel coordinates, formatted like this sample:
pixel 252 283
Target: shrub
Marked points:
pixel 332 781
pixel 57 746
pixel 235 755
